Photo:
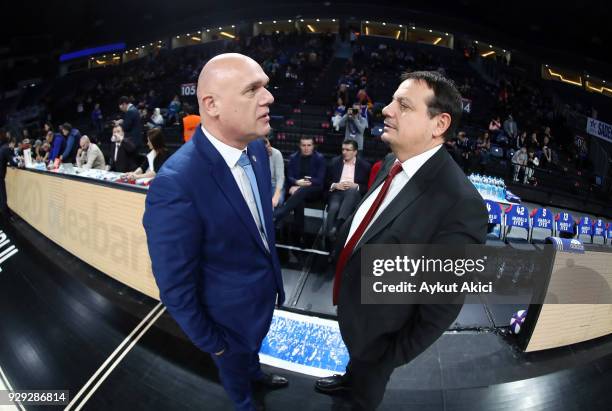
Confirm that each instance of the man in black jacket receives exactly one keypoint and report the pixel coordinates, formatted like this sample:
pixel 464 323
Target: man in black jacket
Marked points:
pixel 132 126
pixel 123 152
pixel 420 196
pixel 7 157
pixel 347 182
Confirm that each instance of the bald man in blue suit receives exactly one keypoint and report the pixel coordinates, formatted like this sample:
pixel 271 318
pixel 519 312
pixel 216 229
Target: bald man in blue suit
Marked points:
pixel 208 219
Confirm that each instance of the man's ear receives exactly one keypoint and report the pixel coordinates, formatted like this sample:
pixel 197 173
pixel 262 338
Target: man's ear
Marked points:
pixel 210 105
pixel 442 123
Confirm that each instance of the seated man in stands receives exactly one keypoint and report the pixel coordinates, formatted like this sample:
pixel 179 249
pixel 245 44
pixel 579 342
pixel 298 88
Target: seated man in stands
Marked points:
pixel 89 155
pixel 123 152
pixel 305 178
pixel 347 181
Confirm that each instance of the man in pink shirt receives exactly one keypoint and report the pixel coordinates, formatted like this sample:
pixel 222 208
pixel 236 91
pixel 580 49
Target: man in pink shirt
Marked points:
pixel 347 183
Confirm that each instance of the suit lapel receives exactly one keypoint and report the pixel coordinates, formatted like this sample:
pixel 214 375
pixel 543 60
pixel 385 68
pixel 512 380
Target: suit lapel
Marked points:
pixel 414 188
pixel 227 185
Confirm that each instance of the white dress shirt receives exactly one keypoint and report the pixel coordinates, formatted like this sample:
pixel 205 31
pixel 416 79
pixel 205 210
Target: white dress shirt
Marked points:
pixel 409 169
pixel 231 155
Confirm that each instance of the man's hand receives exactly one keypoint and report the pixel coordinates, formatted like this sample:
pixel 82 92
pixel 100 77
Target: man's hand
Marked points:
pixel 275 199
pixel 293 189
pixel 303 182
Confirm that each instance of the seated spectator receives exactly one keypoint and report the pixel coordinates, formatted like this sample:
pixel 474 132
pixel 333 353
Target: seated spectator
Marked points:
pixel 73 137
pixel 37 150
pixel 305 178
pixel 495 126
pixel 89 155
pixel 123 152
pixel 464 149
pixel 156 120
pixel 532 163
pixel 154 159
pixel 190 123
pixel 173 110
pixel 519 159
pixel 338 113
pixel 546 153
pixel 521 141
pixel 347 182
pixel 534 143
pixel 277 172
pixel 355 125
pixel 483 149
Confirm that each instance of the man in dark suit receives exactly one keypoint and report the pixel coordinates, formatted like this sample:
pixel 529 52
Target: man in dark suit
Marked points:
pixel 132 126
pixel 208 219
pixel 420 196
pixel 347 182
pixel 123 152
pixel 305 179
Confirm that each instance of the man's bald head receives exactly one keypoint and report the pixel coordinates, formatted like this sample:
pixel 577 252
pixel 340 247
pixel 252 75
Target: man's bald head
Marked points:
pixel 84 142
pixel 232 98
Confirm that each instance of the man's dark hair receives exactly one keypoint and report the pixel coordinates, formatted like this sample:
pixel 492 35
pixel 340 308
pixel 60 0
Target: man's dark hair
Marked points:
pixel 67 127
pixel 124 100
pixel 3 137
pixel 353 143
pixel 307 138
pixel 446 99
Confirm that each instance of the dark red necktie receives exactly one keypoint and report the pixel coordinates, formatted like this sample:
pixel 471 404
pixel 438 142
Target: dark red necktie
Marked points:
pixel 350 246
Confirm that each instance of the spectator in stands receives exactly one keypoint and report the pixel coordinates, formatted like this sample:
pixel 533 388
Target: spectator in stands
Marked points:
pixel 510 128
pixel 89 155
pixel 355 125
pixel 483 149
pixel 277 171
pixel 173 110
pixel 37 150
pixel 130 123
pixel 97 119
pixel 465 150
pixel 58 143
pixel 342 93
pixel 546 159
pixel 534 143
pixel 519 160
pixel 156 120
pixel 6 159
pixel 521 141
pixel 123 152
pixel 154 159
pixel 25 134
pixel 347 182
pixel 339 111
pixel 72 136
pixel 365 105
pixel 532 163
pixel 305 178
pixel 495 126
pixel 190 122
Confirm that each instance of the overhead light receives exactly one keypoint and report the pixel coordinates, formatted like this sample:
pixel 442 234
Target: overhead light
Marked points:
pixel 288 21
pixel 220 28
pixel 159 41
pixel 398 34
pixel 490 46
pixel 312 30
pixel 178 37
pixel 546 65
pixel 413 28
pixel 367 22
pixel 565 80
pixel 262 23
pixel 228 35
pixel 302 20
pixel 117 58
pixel 476 41
pixel 318 20
pixel 439 39
pixel 604 81
pixel 401 25
pixel 487 54
pixel 233 26
pixel 446 34
pixel 150 44
pixel 188 34
pixel 208 30
pixel 367 31
pixel 384 24
pixel 277 32
pixel 334 20
pixel 196 38
pixel 504 50
pixel 430 30
pixel 274 21
pixel 587 76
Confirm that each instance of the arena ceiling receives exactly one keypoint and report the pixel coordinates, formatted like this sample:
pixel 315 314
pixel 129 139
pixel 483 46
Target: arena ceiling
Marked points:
pixel 542 28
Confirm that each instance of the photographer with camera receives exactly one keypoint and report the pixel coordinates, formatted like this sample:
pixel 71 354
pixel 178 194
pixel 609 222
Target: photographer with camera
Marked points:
pixel 355 125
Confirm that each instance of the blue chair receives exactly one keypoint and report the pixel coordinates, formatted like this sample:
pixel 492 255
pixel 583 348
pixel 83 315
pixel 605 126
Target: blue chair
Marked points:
pixel 599 232
pixel 542 225
pixel 495 231
pixel 585 230
pixel 517 223
pixel 565 226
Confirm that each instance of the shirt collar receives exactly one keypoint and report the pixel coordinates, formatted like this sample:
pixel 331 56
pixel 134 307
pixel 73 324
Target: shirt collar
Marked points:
pixel 412 165
pixel 230 154
pixel 350 163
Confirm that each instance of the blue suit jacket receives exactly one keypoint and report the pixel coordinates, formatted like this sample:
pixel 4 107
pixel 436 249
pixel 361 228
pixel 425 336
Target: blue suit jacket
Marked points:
pixel 214 274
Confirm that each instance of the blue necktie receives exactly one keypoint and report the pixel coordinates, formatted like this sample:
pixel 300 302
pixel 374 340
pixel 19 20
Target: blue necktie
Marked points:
pixel 245 163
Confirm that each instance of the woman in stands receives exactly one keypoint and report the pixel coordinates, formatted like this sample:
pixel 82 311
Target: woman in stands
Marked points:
pixel 155 158
pixel 521 141
pixel 546 158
